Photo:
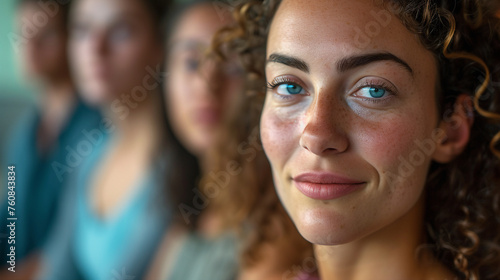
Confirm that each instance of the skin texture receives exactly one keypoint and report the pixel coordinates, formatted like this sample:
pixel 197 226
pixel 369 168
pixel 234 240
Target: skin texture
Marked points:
pixel 112 45
pixel 333 125
pixel 199 90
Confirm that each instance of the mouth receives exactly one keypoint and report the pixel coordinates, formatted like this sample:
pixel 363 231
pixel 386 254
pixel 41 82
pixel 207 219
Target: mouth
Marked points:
pixel 326 186
pixel 207 116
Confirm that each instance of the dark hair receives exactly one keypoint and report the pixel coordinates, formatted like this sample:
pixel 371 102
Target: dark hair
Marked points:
pixel 159 10
pixel 463 196
pixel 63 7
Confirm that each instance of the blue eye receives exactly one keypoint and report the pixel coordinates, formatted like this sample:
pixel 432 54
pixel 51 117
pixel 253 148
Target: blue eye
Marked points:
pixel 372 92
pixel 289 89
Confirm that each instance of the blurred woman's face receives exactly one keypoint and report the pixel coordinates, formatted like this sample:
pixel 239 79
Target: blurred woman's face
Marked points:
pixel 43 54
pixel 198 89
pixel 349 120
pixel 113 48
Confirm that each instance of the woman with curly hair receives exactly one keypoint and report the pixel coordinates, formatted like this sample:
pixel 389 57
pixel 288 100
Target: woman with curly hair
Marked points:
pixel 381 125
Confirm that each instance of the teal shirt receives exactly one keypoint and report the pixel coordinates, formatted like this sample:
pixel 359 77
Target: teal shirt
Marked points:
pixel 38 184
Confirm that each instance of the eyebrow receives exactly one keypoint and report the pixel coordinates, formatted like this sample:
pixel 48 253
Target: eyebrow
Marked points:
pixel 349 63
pixel 187 44
pixel 344 64
pixel 289 61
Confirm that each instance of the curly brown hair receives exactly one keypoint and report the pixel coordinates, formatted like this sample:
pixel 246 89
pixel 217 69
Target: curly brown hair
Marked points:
pixel 463 196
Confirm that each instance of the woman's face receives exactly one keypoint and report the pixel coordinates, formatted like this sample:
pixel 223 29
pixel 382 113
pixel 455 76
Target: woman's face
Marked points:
pixel 43 55
pixel 199 90
pixel 349 122
pixel 114 49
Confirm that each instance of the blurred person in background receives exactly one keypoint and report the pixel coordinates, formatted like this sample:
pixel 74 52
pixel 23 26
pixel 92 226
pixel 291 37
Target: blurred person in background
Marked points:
pixel 198 93
pixel 38 146
pixel 211 239
pixel 119 212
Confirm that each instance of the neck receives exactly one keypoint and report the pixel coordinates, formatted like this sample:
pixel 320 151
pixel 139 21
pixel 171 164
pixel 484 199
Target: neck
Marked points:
pixel 56 101
pixel 394 252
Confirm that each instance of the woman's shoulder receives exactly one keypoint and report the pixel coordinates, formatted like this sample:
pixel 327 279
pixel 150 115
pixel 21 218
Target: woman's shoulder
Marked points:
pixel 191 255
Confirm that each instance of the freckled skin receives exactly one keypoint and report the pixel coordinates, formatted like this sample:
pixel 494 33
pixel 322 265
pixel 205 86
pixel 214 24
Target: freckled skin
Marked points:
pixel 330 129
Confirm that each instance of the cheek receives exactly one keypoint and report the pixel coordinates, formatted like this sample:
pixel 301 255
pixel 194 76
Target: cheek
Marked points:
pixel 401 165
pixel 393 136
pixel 57 56
pixel 80 60
pixel 382 143
pixel 279 138
pixel 177 107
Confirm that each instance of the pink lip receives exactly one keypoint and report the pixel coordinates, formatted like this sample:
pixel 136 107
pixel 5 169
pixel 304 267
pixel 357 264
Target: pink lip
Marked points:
pixel 207 116
pixel 326 186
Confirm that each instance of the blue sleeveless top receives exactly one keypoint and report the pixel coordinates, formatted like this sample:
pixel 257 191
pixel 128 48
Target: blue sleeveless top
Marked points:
pixel 121 246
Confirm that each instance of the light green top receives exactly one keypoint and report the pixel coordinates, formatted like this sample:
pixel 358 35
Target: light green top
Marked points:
pixel 201 258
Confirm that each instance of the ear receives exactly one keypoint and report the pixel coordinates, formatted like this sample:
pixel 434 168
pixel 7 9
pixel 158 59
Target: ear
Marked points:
pixel 456 125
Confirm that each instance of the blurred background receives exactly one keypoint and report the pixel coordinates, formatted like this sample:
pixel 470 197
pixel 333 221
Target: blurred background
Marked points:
pixel 15 95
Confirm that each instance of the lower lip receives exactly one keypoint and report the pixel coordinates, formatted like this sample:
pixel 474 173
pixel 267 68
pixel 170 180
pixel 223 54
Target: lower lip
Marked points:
pixel 207 117
pixel 326 191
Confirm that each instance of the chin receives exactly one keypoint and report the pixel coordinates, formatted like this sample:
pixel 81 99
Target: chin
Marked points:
pixel 96 96
pixel 322 226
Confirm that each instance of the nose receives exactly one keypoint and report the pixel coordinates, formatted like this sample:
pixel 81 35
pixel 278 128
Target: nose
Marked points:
pixel 99 44
pixel 211 74
pixel 324 132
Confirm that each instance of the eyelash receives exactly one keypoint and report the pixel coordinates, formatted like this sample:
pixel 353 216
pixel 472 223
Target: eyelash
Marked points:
pixel 278 81
pixel 377 84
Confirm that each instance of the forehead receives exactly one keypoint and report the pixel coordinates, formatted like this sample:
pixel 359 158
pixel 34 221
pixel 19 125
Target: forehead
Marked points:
pixel 199 23
pixel 104 12
pixel 315 30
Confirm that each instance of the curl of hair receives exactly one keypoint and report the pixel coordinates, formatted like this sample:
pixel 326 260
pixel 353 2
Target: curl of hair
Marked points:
pixel 463 196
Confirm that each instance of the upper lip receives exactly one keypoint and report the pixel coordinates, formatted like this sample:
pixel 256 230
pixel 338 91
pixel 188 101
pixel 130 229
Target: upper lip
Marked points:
pixel 325 178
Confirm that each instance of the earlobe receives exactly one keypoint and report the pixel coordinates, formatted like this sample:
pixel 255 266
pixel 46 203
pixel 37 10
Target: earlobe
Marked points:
pixel 457 126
